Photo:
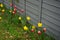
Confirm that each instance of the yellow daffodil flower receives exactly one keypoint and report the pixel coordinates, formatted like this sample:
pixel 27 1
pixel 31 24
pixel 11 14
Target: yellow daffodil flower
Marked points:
pixel 20 18
pixel 1 5
pixel 0 18
pixel 33 27
pixel 28 18
pixel 39 24
pixel 3 10
pixel 25 28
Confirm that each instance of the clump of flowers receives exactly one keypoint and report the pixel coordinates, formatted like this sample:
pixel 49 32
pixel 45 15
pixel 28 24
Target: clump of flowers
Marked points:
pixel 39 24
pixel 1 5
pixel 11 4
pixel 28 18
pixel 25 28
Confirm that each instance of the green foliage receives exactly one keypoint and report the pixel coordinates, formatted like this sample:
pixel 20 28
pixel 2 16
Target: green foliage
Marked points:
pixel 15 19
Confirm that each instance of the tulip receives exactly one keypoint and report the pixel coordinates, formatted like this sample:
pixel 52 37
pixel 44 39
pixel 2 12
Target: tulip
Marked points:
pixel 20 18
pixel 25 28
pixel 39 24
pixel 0 18
pixel 33 27
pixel 44 29
pixel 32 30
pixel 14 9
pixel 15 6
pixel 28 18
pixel 3 11
pixel 11 4
pixel 39 32
pixel 22 10
pixel 1 5
pixel 14 12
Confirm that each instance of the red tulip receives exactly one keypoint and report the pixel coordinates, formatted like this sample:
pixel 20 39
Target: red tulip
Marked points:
pixel 11 4
pixel 14 9
pixel 44 29
pixel 32 30
pixel 15 6
pixel 14 12
pixel 22 10
pixel 39 32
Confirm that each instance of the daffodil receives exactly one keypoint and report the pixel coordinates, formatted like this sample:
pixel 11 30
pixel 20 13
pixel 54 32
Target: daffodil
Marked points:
pixel 39 24
pixel 0 18
pixel 1 5
pixel 33 27
pixel 20 18
pixel 3 10
pixel 28 18
pixel 25 28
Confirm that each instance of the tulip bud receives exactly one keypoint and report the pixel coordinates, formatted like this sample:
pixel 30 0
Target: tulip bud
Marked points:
pixel 11 4
pixel 33 27
pixel 32 30
pixel 39 24
pixel 19 18
pixel 15 7
pixel 28 18
pixel 44 29
pixel 39 32
pixel 14 12
pixel 25 28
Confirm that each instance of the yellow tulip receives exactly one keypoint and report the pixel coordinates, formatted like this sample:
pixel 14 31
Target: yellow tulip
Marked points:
pixel 1 5
pixel 3 10
pixel 33 27
pixel 39 24
pixel 0 18
pixel 25 28
pixel 20 18
pixel 28 18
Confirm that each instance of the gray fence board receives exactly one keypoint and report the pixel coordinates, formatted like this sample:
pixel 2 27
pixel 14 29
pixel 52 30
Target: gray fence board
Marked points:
pixel 51 17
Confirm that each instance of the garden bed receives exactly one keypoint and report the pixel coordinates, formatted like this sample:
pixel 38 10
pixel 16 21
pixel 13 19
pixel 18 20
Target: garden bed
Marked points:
pixel 12 27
